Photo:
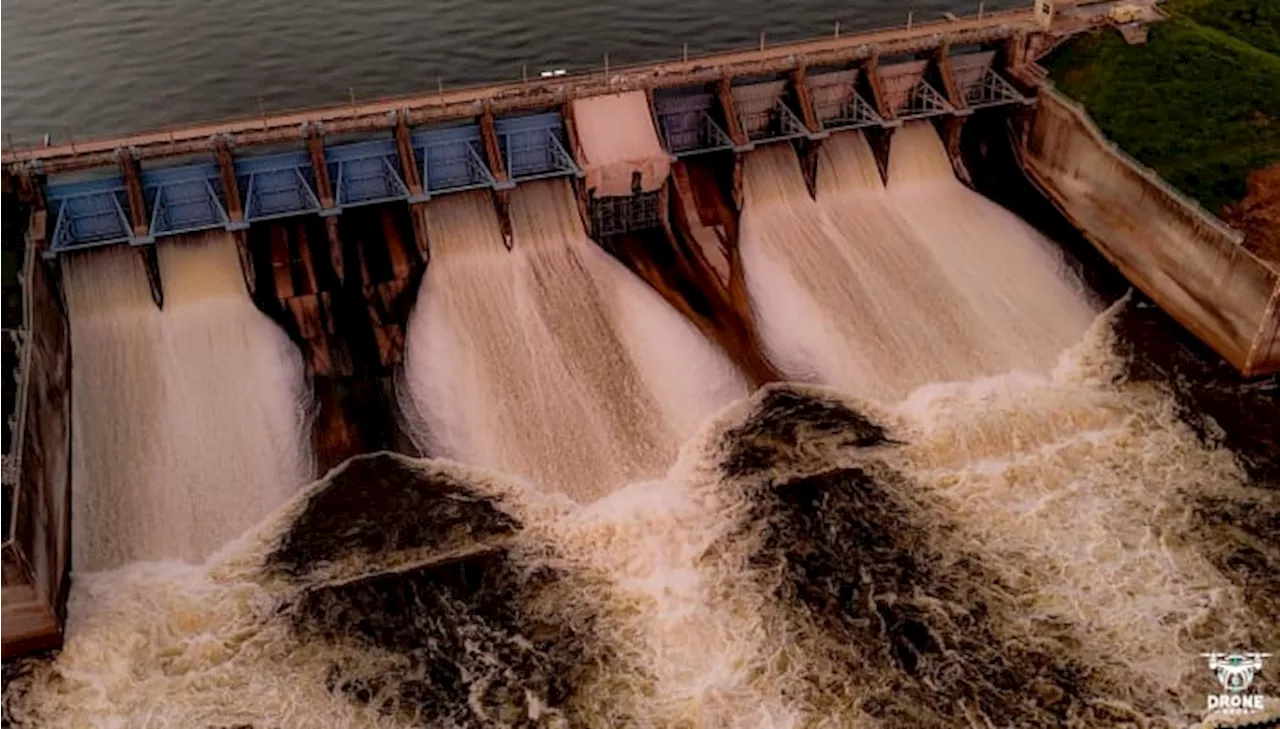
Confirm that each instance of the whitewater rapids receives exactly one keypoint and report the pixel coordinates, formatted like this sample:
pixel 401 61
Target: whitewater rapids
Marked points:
pixel 1014 549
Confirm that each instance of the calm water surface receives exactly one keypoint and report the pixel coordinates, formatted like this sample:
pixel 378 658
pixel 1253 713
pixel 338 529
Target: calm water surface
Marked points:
pixel 91 67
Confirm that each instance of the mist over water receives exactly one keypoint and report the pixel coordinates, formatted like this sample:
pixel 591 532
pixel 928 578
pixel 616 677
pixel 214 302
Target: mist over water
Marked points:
pixel 191 421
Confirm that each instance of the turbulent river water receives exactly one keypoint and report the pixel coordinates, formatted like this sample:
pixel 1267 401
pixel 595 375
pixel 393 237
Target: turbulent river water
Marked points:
pixel 1023 550
pixel 1013 510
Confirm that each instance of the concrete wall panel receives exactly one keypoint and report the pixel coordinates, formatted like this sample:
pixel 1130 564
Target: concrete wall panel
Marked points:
pixel 1189 262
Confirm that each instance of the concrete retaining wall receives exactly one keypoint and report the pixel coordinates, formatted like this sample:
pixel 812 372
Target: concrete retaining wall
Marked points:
pixel 1181 256
pixel 36 555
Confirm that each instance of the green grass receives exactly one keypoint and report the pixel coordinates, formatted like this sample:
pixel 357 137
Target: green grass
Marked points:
pixel 1200 103
pixel 1256 22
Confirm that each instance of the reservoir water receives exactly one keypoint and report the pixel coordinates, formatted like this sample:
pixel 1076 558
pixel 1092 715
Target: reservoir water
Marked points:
pixel 89 68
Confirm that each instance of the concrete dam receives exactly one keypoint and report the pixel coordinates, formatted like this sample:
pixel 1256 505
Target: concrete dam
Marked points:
pixel 564 280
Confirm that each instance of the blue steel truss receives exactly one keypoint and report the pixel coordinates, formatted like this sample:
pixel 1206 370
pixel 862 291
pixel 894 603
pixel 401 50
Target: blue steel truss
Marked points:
pixel 89 214
pixel 364 173
pixel 687 126
pixel 184 199
pixel 533 147
pixel 452 159
pixel 276 185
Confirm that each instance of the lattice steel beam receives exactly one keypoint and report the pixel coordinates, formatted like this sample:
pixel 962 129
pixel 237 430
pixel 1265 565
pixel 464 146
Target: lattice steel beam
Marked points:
pixel 992 90
pixel 924 101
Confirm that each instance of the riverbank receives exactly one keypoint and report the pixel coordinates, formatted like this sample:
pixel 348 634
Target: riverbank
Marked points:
pixel 1199 104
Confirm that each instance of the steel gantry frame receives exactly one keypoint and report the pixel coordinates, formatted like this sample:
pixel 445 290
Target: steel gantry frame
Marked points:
pixel 768 118
pixel 276 186
pixel 992 90
pixel 452 160
pixel 184 199
pixel 189 198
pixel 89 213
pixel 851 110
pixel 687 125
pixel 533 147
pixel 365 173
pixel 924 101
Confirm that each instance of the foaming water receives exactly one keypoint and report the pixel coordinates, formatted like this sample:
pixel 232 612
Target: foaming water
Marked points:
pixel 188 423
pixel 848 290
pixel 964 534
pixel 1075 486
pixel 551 360
pixel 692 628
pixel 1011 550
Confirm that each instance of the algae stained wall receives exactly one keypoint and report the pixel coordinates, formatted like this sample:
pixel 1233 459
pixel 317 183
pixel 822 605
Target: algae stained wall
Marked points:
pixel 1185 259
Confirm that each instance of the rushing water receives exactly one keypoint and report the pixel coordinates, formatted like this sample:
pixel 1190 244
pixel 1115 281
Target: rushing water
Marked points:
pixel 988 520
pixel 87 67
pixel 1039 547
pixel 551 360
pixel 882 291
pixel 1014 550
pixel 190 423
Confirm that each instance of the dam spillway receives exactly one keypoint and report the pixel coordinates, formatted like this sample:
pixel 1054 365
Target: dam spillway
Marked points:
pixel 552 361
pixel 192 421
pixel 520 293
pixel 919 295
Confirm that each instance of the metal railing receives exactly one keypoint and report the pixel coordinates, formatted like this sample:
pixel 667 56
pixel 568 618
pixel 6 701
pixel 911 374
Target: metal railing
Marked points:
pixel 11 469
pixel 618 215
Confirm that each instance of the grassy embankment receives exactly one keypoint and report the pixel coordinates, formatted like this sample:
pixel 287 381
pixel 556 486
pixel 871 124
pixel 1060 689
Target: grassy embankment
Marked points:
pixel 1200 103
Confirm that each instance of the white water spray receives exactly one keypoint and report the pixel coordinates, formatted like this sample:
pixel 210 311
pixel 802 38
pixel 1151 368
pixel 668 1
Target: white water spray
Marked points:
pixel 189 424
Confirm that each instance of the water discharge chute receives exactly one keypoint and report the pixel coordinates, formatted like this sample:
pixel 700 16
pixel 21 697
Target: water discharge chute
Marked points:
pixel 882 291
pixel 189 424
pixel 551 360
